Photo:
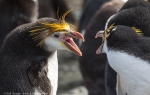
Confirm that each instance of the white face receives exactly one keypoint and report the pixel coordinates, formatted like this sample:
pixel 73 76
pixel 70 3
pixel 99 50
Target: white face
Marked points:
pixel 54 42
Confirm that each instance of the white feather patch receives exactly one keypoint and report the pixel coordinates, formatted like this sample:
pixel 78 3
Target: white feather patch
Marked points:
pixel 133 73
pixel 37 92
pixel 53 72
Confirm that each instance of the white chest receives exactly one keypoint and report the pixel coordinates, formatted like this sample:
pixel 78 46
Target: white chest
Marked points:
pixel 134 78
pixel 53 72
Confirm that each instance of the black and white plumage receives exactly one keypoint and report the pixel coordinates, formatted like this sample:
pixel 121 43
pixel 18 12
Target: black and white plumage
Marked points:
pixel 136 16
pixel 28 57
pixel 128 55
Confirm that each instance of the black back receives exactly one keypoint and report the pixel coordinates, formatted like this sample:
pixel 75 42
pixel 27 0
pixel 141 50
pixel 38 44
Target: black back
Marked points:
pixel 23 64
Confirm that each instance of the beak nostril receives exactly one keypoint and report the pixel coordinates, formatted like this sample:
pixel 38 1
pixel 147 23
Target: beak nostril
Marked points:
pixel 72 34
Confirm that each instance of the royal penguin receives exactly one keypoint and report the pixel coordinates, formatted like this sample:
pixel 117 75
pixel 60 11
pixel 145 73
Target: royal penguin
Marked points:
pixel 127 52
pixel 14 13
pixel 28 57
pixel 128 16
pixel 92 66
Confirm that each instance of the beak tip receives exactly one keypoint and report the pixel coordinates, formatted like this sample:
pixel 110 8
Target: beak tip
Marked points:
pixel 97 52
pixel 99 34
pixel 83 40
pixel 80 54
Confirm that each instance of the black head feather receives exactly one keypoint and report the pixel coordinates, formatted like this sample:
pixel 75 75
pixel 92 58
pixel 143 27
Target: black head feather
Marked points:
pixel 125 39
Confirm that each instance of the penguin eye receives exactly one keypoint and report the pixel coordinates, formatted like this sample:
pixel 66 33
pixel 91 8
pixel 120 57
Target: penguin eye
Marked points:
pixel 56 36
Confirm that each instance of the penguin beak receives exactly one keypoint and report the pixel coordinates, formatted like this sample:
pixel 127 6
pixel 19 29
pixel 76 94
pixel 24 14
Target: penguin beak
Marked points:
pixel 99 34
pixel 70 44
pixel 99 50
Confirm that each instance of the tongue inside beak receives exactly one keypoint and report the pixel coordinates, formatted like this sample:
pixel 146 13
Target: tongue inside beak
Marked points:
pixel 68 41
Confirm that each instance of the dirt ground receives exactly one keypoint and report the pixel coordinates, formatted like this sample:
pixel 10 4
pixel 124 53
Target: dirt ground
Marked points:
pixel 70 80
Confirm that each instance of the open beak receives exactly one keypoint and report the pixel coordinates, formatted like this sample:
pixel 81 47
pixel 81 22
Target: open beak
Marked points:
pixel 68 41
pixel 99 34
pixel 99 50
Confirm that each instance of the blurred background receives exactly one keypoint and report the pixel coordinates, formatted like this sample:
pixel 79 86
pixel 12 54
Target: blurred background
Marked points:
pixel 85 75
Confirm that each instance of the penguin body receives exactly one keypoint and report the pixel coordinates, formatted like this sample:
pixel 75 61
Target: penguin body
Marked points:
pixel 19 57
pixel 28 56
pixel 128 55
pixel 92 66
pixel 129 16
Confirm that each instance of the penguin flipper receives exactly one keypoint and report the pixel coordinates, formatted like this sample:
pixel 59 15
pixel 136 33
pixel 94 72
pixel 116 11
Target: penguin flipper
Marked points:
pixel 110 80
pixel 37 74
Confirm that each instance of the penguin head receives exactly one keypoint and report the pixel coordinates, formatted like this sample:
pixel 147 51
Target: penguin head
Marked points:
pixel 117 37
pixel 53 34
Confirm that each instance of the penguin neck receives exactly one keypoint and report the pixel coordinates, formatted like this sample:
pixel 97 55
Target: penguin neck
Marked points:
pixel 53 71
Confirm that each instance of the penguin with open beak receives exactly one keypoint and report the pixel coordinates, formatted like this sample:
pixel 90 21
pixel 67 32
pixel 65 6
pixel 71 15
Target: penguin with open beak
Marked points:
pixel 28 57
pixel 136 16
pixel 128 52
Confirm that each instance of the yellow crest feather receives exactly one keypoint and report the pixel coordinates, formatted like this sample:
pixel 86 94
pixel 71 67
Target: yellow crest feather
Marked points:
pixel 138 31
pixel 107 31
pixel 45 29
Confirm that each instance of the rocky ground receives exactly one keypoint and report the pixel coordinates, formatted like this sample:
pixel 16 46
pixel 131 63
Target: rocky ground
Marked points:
pixel 70 80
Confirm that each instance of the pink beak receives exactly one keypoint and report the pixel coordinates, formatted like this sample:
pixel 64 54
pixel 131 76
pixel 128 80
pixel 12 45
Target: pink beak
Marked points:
pixel 99 34
pixel 68 41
